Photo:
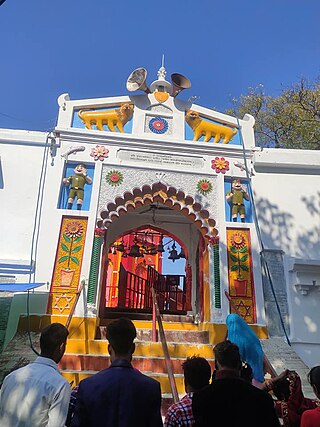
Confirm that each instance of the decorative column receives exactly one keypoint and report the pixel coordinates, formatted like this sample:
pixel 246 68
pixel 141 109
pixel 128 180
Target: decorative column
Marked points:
pixel 216 271
pixel 94 266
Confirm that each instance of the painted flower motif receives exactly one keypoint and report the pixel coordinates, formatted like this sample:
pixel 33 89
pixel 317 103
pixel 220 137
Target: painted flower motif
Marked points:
pixel 74 229
pixel 220 164
pixel 238 241
pixel 99 152
pixel 99 232
pixel 114 177
pixel 214 240
pixel 73 234
pixel 204 186
pixel 158 125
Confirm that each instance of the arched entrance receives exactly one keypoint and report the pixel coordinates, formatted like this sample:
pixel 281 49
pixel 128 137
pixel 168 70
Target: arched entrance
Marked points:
pixel 158 211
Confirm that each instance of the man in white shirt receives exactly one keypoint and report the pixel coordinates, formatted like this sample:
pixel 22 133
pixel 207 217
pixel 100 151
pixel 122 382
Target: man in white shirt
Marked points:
pixel 37 395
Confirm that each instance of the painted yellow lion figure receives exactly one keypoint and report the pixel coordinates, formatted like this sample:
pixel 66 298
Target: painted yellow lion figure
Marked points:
pixel 117 117
pixel 208 129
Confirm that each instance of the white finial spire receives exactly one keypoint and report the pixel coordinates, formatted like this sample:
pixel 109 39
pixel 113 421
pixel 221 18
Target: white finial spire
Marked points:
pixel 162 71
pixel 161 85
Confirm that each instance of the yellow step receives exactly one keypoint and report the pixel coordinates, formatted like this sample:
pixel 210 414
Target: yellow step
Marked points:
pixel 75 377
pixel 172 326
pixel 84 328
pixel 146 349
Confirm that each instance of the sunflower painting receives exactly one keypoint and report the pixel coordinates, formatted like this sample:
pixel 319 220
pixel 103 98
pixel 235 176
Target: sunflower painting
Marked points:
pixel 241 286
pixel 67 267
pixel 69 252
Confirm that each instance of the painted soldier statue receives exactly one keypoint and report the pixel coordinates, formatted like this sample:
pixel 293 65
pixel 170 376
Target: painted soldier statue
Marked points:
pixel 77 183
pixel 236 198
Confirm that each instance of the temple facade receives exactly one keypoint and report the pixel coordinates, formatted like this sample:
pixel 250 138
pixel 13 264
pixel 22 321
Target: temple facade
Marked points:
pixel 147 191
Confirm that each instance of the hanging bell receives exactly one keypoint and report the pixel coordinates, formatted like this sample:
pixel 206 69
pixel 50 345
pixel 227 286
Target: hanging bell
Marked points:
pixel 160 247
pixel 182 254
pixel 173 253
pixel 152 250
pixel 120 247
pixel 134 251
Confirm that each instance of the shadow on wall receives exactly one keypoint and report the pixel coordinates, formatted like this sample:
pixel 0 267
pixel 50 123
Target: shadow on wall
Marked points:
pixel 276 226
pixel 309 242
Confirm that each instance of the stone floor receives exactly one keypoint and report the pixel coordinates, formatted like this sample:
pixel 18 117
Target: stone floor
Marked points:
pixel 282 356
pixel 18 353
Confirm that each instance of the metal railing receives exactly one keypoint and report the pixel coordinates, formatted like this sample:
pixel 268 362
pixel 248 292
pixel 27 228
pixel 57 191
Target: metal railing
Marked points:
pixel 134 292
pixel 156 313
pixel 75 302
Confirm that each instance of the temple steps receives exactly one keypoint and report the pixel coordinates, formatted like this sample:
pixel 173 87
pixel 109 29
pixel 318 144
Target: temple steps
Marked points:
pixel 146 349
pixel 94 362
pixel 75 376
pixel 85 357
pixel 144 334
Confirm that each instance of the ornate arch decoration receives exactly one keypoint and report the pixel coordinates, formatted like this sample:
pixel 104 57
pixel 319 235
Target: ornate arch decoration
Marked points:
pixel 166 195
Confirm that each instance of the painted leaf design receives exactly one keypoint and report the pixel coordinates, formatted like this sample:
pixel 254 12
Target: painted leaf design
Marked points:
pixel 243 250
pixel 77 249
pixel 64 247
pixel 78 239
pixel 234 268
pixel 62 259
pixel 232 249
pixel 75 260
pixel 66 238
pixel 234 258
pixel 244 258
pixel 244 267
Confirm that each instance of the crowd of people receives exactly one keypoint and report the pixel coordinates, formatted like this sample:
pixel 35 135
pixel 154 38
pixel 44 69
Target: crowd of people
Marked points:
pixel 234 394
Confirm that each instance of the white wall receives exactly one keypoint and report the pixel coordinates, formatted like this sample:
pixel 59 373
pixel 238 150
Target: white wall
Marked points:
pixel 21 165
pixel 287 198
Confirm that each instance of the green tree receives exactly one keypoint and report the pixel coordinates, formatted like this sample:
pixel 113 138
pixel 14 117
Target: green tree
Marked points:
pixel 290 120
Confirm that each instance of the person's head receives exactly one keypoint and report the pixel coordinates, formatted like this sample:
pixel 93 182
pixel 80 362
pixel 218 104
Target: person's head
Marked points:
pixel 53 341
pixel 282 389
pixel 246 372
pixel 288 386
pixel 121 334
pixel 197 373
pixel 227 356
pixel 314 380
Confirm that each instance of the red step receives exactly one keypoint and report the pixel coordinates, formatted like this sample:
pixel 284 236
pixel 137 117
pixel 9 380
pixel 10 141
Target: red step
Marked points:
pixel 90 362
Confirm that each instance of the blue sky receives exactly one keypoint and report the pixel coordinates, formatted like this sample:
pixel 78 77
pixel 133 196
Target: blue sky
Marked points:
pixel 88 49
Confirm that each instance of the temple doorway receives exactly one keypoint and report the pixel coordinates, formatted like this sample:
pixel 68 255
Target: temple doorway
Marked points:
pixel 139 260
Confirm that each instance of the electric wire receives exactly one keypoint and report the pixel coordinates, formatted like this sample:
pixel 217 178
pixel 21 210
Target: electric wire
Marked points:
pixel 36 229
pixel 257 226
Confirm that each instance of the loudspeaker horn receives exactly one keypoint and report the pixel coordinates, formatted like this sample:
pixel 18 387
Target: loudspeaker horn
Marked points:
pixel 137 80
pixel 179 83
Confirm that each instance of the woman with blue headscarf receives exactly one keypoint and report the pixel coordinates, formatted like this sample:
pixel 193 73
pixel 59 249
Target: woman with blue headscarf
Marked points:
pixel 240 333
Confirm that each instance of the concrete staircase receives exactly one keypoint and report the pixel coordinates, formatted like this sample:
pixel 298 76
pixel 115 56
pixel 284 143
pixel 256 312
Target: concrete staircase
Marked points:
pixel 87 347
pixel 184 339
